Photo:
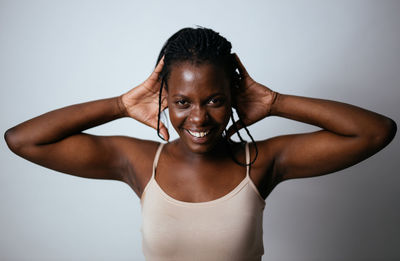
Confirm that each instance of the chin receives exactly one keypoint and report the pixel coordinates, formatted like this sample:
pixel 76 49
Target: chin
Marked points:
pixel 200 145
pixel 200 149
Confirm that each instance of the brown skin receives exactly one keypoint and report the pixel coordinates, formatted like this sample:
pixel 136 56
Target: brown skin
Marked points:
pixel 199 98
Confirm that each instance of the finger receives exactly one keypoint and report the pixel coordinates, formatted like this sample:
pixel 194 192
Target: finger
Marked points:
pixel 160 65
pixel 241 67
pixel 164 131
pixel 155 74
pixel 235 127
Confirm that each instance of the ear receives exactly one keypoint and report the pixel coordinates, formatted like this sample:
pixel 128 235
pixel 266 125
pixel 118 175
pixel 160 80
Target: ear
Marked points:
pixel 163 97
pixel 165 88
pixel 165 91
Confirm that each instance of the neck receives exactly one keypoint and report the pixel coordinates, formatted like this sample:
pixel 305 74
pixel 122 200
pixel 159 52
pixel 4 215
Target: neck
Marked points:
pixel 216 153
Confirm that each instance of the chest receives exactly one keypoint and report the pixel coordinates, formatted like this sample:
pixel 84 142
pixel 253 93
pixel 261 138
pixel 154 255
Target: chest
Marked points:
pixel 225 229
pixel 198 183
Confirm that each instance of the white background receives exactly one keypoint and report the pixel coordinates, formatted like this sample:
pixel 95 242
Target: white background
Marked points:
pixel 57 53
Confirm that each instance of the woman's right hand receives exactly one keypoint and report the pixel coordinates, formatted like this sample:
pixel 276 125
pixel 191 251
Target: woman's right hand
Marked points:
pixel 58 139
pixel 142 102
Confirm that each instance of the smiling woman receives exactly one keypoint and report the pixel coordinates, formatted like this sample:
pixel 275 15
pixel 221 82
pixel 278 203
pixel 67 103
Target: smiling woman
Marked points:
pixel 199 102
pixel 202 195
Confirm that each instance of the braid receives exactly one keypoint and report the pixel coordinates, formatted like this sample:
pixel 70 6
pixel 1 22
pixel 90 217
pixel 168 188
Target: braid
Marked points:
pixel 241 141
pixel 159 110
pixel 200 45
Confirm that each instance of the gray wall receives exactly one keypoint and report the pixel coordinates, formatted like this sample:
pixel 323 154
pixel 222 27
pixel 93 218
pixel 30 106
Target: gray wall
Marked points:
pixel 56 53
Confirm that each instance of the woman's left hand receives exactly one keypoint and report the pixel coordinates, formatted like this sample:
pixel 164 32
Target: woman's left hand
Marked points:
pixel 348 134
pixel 252 100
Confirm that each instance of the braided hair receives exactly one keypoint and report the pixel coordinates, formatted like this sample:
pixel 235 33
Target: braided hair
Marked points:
pixel 201 45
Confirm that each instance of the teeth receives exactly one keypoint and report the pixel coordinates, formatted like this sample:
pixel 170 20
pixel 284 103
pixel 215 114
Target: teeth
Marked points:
pixel 198 134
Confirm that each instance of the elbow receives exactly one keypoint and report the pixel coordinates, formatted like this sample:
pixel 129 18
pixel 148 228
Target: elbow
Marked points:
pixel 392 130
pixel 13 140
pixel 384 134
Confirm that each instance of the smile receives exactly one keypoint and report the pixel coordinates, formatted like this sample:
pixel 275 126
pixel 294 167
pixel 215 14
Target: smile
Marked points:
pixel 199 134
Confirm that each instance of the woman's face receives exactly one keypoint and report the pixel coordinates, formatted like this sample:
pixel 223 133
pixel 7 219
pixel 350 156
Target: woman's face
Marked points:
pixel 199 103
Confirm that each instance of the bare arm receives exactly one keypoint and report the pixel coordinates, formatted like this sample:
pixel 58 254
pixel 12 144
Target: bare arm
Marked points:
pixel 56 139
pixel 349 134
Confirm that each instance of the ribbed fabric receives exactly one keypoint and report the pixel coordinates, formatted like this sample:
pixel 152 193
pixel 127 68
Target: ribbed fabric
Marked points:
pixel 228 228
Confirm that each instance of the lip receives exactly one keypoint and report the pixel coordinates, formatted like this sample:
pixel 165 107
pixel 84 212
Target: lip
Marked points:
pixel 199 140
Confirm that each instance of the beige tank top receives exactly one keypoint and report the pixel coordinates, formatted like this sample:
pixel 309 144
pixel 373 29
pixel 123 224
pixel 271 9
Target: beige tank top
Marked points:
pixel 227 228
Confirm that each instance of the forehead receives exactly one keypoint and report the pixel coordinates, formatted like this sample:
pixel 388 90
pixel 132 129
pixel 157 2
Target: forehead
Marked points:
pixel 191 78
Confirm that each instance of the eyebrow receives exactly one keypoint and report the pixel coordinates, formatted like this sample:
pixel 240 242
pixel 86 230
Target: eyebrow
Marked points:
pixel 212 95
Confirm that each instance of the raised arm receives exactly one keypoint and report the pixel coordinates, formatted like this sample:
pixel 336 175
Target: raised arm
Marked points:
pixel 56 139
pixel 348 134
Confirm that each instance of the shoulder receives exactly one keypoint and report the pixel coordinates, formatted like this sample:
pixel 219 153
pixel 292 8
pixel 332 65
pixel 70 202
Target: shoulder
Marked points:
pixel 137 157
pixel 270 150
pixel 131 144
pixel 265 150
pixel 272 154
pixel 263 171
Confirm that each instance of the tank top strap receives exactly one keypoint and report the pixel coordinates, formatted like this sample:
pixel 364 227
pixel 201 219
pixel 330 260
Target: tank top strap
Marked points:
pixel 247 160
pixel 156 157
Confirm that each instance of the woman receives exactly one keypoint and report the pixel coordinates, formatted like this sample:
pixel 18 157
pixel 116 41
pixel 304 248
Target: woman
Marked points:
pixel 200 198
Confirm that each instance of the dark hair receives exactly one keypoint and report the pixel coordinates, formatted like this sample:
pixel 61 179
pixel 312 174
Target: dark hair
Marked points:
pixel 200 45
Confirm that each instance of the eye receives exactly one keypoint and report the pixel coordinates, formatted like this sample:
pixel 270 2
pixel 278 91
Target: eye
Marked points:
pixel 215 101
pixel 181 103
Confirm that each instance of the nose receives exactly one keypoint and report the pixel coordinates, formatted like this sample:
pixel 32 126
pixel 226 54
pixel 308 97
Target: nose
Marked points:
pixel 198 115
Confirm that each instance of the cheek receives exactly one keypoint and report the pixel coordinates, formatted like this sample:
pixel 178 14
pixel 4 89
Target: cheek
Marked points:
pixel 177 116
pixel 218 115
pixel 221 115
